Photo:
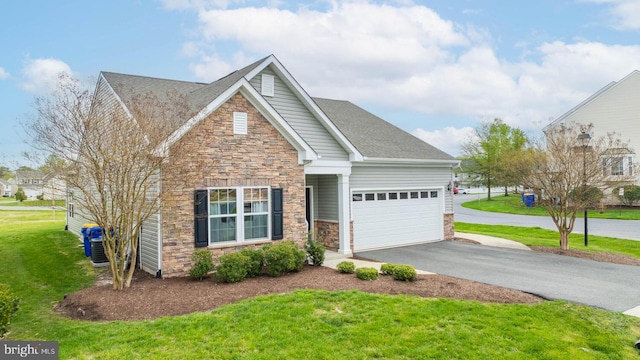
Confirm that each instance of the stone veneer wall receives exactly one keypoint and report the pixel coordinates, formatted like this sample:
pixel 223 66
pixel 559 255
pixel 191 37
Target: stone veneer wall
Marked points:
pixel 449 230
pixel 210 155
pixel 329 232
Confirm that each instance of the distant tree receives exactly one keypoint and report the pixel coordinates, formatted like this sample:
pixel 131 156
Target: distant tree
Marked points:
pixel 4 171
pixel 20 195
pixel 570 176
pixel 631 194
pixel 494 154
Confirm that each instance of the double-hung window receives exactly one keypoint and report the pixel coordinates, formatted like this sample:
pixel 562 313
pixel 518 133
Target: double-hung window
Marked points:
pixel 238 214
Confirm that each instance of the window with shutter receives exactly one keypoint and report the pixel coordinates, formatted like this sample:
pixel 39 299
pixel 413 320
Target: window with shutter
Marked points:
pixel 201 216
pixel 277 228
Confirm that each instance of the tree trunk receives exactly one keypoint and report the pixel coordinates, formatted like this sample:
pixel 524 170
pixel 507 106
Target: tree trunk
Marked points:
pixel 564 239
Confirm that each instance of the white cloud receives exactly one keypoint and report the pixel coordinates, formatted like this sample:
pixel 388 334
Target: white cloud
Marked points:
pixel 408 58
pixel 42 75
pixel 4 74
pixel 625 13
pixel 449 139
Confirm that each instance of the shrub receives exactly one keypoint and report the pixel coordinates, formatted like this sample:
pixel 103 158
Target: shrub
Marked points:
pixel 9 305
pixel 346 267
pixel 631 194
pixel 387 269
pixel 40 197
pixel 20 195
pixel 256 260
pixel 367 273
pixel 233 267
pixel 283 258
pixel 315 250
pixel 202 264
pixel 404 273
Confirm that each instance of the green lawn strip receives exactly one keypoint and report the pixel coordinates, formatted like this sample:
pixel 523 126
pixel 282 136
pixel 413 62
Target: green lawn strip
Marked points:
pixel 42 203
pixel 42 262
pixel 513 204
pixel 536 236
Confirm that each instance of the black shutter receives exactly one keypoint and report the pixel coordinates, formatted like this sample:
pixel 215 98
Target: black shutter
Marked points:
pixel 201 216
pixel 276 214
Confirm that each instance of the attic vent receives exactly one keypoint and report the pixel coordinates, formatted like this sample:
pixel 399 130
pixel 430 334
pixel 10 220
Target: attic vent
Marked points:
pixel 240 123
pixel 267 85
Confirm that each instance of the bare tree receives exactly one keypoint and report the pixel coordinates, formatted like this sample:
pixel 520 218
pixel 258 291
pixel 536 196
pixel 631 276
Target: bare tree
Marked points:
pixel 109 157
pixel 571 170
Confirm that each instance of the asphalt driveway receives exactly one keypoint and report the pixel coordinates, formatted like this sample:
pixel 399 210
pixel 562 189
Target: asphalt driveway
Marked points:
pixel 608 286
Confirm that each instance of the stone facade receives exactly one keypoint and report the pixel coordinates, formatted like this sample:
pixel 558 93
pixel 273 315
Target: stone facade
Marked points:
pixel 329 233
pixel 449 229
pixel 211 155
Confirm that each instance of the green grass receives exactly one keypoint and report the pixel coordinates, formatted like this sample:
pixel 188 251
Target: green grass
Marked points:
pixel 536 236
pixel 513 204
pixel 42 262
pixel 45 203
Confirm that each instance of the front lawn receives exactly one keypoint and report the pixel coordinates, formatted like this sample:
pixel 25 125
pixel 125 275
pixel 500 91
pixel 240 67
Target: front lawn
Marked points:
pixel 42 203
pixel 513 204
pixel 42 262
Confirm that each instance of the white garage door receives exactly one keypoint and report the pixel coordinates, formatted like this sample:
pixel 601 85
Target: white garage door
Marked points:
pixel 394 218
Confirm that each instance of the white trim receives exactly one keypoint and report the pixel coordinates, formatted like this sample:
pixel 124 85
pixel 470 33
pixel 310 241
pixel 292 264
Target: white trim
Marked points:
pixel 321 167
pixel 344 215
pixel 280 70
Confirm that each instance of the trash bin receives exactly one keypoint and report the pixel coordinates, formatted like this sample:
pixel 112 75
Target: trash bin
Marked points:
pixel 528 199
pixel 86 239
pixel 98 256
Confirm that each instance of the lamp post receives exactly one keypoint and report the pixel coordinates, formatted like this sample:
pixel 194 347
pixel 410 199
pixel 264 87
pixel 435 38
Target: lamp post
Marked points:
pixel 584 139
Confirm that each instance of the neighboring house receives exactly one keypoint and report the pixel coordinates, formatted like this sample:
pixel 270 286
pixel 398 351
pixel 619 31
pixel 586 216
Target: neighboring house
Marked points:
pixel 31 182
pixel 5 189
pixel 287 164
pixel 613 109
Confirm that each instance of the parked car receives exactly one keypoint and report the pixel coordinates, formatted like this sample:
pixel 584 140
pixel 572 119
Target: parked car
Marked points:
pixel 459 191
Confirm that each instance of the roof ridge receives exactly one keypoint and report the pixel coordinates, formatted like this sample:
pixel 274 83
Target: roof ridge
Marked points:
pixel 152 77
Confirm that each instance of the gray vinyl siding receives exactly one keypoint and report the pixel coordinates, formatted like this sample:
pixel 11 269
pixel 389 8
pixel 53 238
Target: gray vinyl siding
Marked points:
pixel 327 197
pixel 398 177
pixel 150 236
pixel 301 120
pixel 74 224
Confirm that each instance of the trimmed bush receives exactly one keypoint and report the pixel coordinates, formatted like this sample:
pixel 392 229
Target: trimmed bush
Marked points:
pixel 346 267
pixel 315 250
pixel 283 258
pixel 256 260
pixel 367 273
pixel 202 264
pixel 9 305
pixel 233 267
pixel 404 273
pixel 387 269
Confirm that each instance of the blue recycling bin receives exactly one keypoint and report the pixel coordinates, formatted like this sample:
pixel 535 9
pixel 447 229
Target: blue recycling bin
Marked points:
pixel 86 238
pixel 528 199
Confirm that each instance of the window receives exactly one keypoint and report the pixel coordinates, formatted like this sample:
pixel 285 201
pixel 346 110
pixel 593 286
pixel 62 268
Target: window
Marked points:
pixel 382 196
pixel 617 166
pixel 369 197
pixel 424 194
pixel 414 194
pixel 434 194
pixel 404 195
pixel 393 196
pixel 238 214
pixel 356 197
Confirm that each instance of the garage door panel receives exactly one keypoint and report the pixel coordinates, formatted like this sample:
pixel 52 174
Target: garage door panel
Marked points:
pixel 387 223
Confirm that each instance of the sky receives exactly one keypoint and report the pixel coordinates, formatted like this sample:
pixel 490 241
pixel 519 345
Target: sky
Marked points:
pixel 437 69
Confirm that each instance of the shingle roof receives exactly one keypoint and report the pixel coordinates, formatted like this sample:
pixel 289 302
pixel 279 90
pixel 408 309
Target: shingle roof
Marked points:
pixel 373 136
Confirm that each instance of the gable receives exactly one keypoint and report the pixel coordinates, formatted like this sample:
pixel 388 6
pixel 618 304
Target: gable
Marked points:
pixel 299 117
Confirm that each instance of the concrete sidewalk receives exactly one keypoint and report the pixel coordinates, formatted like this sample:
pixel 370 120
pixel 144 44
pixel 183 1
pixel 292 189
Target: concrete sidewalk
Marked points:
pixel 332 258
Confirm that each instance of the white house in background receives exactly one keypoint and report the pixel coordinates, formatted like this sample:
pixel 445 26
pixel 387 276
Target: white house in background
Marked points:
pixel 613 109
pixel 5 188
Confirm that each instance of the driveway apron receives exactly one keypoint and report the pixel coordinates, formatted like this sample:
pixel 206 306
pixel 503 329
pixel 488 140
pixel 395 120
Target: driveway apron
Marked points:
pixel 608 286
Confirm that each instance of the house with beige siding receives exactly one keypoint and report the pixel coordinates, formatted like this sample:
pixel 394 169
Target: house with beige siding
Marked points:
pixel 265 161
pixel 614 109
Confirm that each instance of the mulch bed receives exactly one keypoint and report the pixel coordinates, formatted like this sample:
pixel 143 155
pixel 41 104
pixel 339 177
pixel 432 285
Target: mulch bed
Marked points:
pixel 150 298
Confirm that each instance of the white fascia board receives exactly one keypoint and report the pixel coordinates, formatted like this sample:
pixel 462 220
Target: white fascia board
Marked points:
pixel 391 161
pixel 305 152
pixel 320 167
pixel 354 154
